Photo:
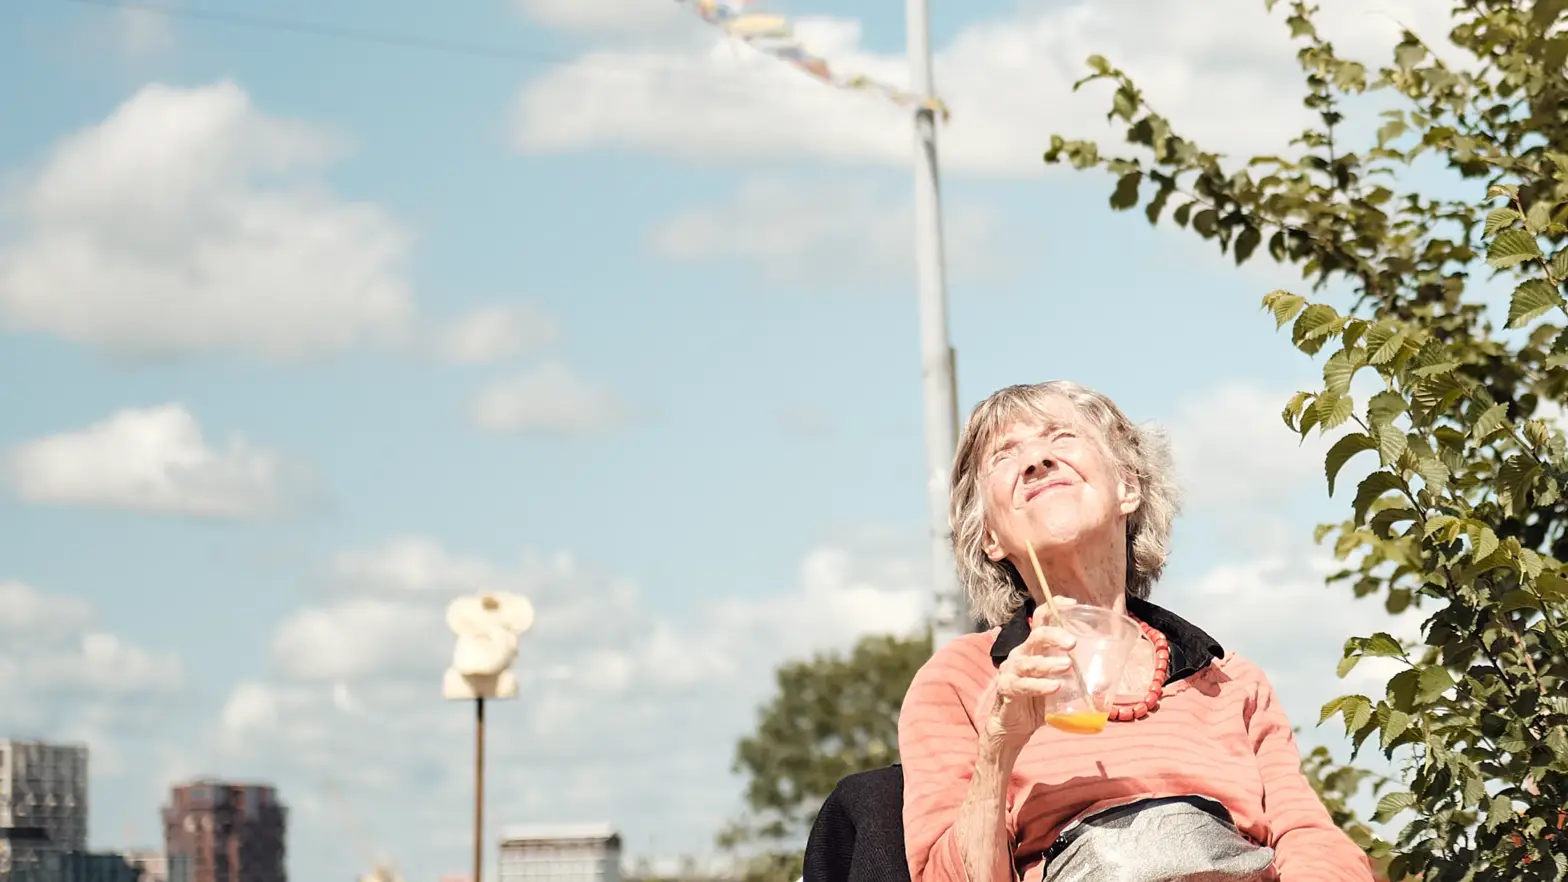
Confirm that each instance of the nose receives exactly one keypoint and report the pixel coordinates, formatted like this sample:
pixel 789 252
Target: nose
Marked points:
pixel 1038 464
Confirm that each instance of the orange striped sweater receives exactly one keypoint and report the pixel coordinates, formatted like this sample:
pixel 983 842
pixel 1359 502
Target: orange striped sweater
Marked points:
pixel 1219 733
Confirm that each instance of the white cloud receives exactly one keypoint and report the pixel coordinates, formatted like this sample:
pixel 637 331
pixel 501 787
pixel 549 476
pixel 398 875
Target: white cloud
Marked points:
pixel 1277 611
pixel 829 231
pixel 26 610
pixel 158 461
pixel 414 564
pixel 548 400
pixel 1008 82
pixel 188 222
pixel 357 637
pixel 60 674
pixel 1233 450
pixel 494 334
pixel 353 694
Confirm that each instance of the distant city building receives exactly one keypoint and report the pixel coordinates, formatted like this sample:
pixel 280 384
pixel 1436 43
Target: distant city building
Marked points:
pixel 79 866
pixel 682 868
pixel 153 865
pixel 43 805
pixel 220 831
pixel 561 853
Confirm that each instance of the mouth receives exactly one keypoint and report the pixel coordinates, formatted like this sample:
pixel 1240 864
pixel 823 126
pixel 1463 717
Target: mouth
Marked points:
pixel 1032 492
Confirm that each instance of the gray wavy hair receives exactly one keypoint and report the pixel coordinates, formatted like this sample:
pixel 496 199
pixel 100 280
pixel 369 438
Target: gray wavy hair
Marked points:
pixel 1141 453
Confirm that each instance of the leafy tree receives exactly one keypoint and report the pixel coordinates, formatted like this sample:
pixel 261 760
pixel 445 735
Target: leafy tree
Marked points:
pixel 832 716
pixel 1464 516
pixel 1337 785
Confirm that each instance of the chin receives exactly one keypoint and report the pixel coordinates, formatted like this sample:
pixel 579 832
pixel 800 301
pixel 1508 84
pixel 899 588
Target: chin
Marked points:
pixel 1062 533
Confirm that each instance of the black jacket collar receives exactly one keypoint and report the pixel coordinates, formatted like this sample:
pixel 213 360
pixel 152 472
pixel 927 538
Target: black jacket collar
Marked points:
pixel 1191 649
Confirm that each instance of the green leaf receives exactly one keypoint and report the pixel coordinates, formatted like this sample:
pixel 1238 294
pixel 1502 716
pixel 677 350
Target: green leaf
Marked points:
pixel 1515 479
pixel 1530 563
pixel 1372 488
pixel 1182 213
pixel 1498 218
pixel 1475 790
pixel 1284 305
pixel 1482 540
pixel 1204 223
pixel 1346 665
pixel 1383 522
pixel 1341 453
pixel 1532 299
pixel 1517 599
pixel 1402 688
pixel 1392 804
pixel 1125 195
pixel 1512 247
pixel 1246 243
pixel 1445 527
pixel 1433 473
pixel 1315 321
pixel 1499 811
pixel 1381 645
pixel 1386 352
pixel 1394 725
pixel 1557 742
pixel 1435 680
pixel 1384 408
pixel 1559 265
pixel 1538 217
pixel 1492 419
pixel 1357 711
pixel 1330 708
pixel 1390 446
pixel 1332 410
pixel 1340 369
pixel 1293 407
pixel 1554 589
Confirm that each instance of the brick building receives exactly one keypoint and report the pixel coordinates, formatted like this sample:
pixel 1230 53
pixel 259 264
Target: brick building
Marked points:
pixel 43 804
pixel 220 831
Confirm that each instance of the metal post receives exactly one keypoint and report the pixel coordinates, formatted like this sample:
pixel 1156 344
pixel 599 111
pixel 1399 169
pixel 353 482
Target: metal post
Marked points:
pixel 479 787
pixel 948 619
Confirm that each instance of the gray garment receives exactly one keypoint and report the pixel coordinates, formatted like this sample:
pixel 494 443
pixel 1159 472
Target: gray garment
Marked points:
pixel 1179 839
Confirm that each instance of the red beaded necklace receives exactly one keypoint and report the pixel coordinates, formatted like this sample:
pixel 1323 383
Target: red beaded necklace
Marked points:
pixel 1126 713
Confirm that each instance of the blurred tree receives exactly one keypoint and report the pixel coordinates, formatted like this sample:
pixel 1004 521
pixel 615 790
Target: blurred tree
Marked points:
pixel 1464 516
pixel 832 716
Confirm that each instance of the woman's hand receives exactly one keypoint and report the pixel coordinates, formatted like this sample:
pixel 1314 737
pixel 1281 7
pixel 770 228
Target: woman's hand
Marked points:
pixel 1033 672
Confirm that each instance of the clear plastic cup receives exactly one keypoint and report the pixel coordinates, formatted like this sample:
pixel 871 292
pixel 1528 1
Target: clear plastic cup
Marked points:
pixel 1105 640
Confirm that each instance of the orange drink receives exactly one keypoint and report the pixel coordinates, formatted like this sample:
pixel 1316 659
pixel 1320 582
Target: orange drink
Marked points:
pixel 1105 640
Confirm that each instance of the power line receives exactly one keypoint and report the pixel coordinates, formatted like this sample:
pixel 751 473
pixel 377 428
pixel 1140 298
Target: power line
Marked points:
pixel 438 45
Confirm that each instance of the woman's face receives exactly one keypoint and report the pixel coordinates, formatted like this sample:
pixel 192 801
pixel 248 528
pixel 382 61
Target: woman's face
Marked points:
pixel 1051 481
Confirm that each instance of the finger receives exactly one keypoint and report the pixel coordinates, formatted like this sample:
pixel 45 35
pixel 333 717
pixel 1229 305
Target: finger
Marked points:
pixel 1047 639
pixel 1014 686
pixel 1041 665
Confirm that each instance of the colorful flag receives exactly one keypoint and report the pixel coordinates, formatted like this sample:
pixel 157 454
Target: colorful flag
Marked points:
pixel 774 35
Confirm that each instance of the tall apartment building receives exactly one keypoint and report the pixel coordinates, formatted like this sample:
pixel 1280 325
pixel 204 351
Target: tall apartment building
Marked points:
pixel 577 853
pixel 220 831
pixel 43 805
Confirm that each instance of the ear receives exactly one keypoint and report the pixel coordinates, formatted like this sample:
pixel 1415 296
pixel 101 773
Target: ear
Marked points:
pixel 992 546
pixel 1130 495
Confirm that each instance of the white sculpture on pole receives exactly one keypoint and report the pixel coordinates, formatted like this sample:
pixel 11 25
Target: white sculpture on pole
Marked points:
pixel 487 627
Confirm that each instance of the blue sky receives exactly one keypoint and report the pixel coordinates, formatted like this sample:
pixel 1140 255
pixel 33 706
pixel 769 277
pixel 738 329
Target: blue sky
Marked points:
pixel 342 328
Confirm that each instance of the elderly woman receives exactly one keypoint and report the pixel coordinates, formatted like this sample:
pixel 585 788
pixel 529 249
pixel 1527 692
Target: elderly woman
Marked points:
pixel 1195 776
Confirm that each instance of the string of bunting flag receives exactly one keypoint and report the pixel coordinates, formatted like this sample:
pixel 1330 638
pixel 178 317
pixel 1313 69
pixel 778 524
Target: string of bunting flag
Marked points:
pixel 774 35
